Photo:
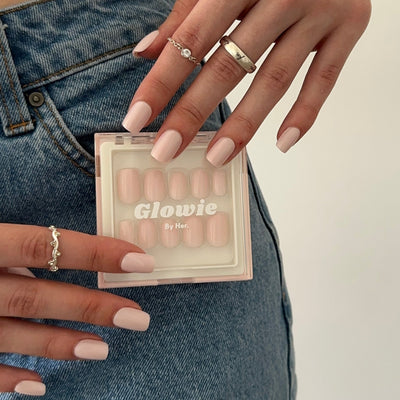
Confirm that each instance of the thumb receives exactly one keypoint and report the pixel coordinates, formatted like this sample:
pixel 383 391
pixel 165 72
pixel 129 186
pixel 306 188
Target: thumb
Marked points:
pixel 152 44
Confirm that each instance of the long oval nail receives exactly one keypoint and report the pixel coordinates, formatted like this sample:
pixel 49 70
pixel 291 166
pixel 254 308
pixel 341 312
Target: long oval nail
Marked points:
pixel 128 185
pixel 137 117
pixel 288 138
pixel 30 388
pixel 218 229
pixel 131 318
pixel 169 233
pixel 221 151
pixel 178 185
pixel 193 234
pixel 166 146
pixel 145 42
pixel 200 183
pixel 147 234
pixel 89 349
pixel 154 185
pixel 138 262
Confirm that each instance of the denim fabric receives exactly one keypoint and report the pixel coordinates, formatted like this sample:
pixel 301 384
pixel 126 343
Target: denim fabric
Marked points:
pixel 206 341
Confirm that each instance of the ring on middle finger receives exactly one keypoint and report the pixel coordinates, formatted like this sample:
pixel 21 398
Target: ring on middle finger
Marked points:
pixel 238 54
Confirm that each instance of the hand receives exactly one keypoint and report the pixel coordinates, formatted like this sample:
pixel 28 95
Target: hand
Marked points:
pixel 26 297
pixel 298 27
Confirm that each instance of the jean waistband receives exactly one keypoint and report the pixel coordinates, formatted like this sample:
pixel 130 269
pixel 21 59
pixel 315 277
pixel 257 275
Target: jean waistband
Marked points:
pixel 45 40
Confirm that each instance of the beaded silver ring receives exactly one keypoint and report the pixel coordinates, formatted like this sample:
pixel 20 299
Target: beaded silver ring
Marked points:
pixel 55 253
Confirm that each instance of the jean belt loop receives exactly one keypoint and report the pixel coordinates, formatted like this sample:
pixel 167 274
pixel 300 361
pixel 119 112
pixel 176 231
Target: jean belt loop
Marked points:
pixel 14 113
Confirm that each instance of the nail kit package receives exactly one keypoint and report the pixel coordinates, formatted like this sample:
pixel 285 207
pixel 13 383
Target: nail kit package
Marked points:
pixel 192 217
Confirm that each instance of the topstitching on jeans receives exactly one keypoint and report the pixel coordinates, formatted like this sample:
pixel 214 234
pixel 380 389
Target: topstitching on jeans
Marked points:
pixel 23 7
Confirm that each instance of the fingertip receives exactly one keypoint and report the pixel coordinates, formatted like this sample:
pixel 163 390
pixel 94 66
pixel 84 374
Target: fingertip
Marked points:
pixel 145 43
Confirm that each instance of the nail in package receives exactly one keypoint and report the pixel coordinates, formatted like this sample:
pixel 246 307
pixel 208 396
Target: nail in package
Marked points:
pixel 192 217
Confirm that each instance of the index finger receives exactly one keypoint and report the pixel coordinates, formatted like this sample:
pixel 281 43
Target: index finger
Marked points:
pixel 30 246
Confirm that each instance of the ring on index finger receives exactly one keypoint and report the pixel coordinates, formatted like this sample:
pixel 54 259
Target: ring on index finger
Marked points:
pixel 240 56
pixel 55 253
pixel 185 52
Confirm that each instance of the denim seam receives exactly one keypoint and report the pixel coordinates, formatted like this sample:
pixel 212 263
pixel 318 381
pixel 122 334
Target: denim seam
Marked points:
pixel 51 108
pixel 23 7
pixel 71 67
pixel 281 278
pixel 11 85
pixel 9 118
pixel 59 147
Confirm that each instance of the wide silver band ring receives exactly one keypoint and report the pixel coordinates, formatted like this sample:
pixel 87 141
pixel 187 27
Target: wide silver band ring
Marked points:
pixel 185 52
pixel 55 253
pixel 236 52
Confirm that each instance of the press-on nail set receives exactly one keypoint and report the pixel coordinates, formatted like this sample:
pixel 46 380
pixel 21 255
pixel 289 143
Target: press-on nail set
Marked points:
pixel 192 217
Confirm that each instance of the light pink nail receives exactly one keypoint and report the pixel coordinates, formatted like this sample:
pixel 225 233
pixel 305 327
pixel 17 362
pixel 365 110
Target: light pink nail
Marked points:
pixel 89 349
pixel 193 234
pixel 21 271
pixel 147 234
pixel 200 183
pixel 31 388
pixel 145 42
pixel 288 138
pixel 178 185
pixel 169 234
pixel 128 185
pixel 166 146
pixel 221 151
pixel 137 117
pixel 218 229
pixel 137 262
pixel 126 231
pixel 154 185
pixel 131 318
pixel 219 182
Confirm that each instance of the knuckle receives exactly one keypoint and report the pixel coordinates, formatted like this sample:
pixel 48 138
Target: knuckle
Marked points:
pixel 360 11
pixel 190 38
pixel 308 112
pixel 225 68
pixel 247 129
pixel 161 88
pixel 25 302
pixel 35 248
pixel 192 112
pixel 276 78
pixel 328 75
pixel 91 309
pixel 51 348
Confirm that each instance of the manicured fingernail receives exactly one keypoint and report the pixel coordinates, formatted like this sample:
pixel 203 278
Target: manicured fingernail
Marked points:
pixel 219 182
pixel 288 139
pixel 200 183
pixel 137 262
pixel 137 117
pixel 166 146
pixel 89 349
pixel 31 388
pixel 193 234
pixel 218 229
pixel 147 234
pixel 154 185
pixel 128 185
pixel 131 318
pixel 178 185
pixel 145 42
pixel 221 151
pixel 21 271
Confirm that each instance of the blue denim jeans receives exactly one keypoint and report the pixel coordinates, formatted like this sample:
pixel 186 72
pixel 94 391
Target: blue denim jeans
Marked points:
pixel 66 71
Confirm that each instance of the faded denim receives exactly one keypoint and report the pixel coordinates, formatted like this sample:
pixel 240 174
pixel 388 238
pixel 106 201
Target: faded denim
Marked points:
pixel 206 341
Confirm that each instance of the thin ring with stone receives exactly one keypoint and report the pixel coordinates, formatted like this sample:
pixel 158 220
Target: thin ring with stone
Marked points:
pixel 240 56
pixel 185 52
pixel 55 253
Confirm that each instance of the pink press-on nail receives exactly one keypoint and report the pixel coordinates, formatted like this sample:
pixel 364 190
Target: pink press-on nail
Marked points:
pixel 221 151
pixel 126 231
pixel 218 229
pixel 30 388
pixel 154 185
pixel 219 182
pixel 200 183
pixel 178 185
pixel 137 262
pixel 147 234
pixel 137 117
pixel 131 318
pixel 288 138
pixel 193 234
pixel 128 185
pixel 169 234
pixel 145 42
pixel 166 146
pixel 89 349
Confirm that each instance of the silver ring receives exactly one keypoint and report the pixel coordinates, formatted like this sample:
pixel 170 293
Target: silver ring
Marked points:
pixel 185 52
pixel 236 52
pixel 55 253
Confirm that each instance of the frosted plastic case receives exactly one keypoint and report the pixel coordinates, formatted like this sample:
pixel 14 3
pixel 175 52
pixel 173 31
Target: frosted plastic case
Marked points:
pixel 193 218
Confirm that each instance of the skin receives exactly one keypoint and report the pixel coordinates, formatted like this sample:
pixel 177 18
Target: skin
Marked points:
pixel 297 27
